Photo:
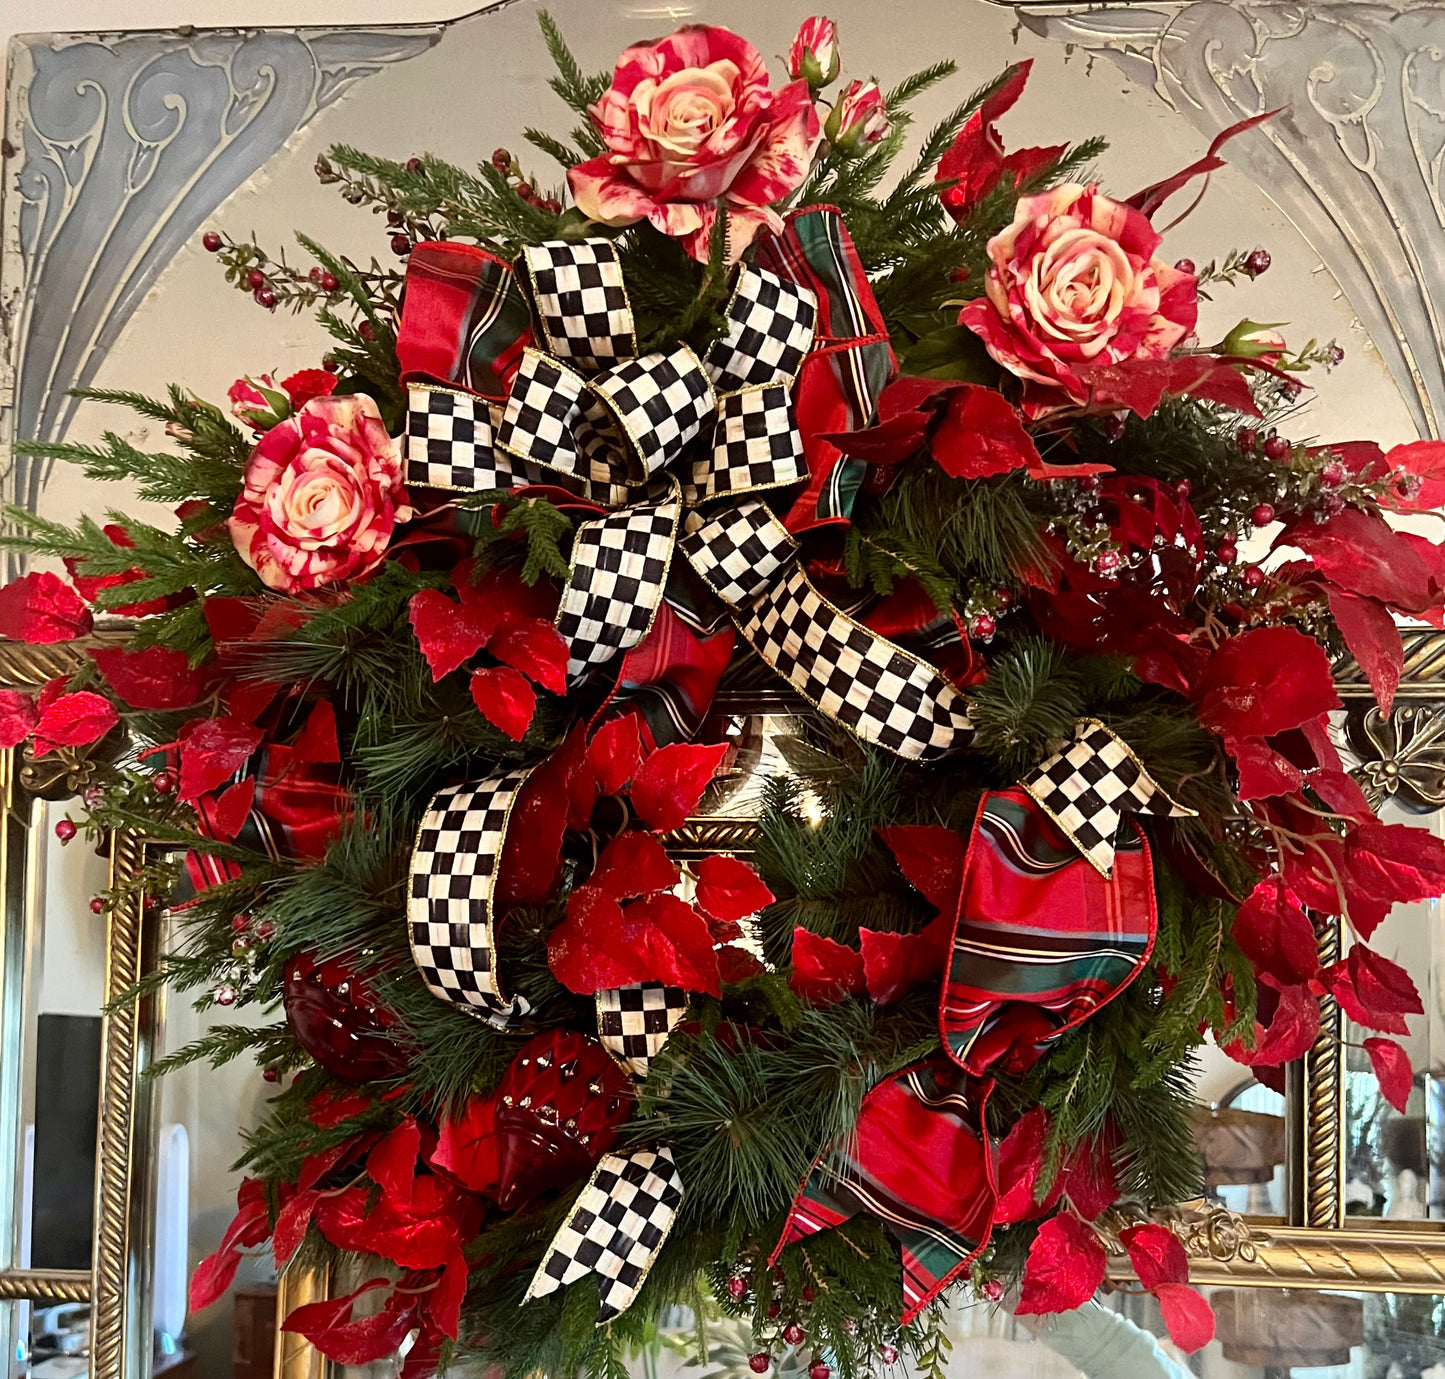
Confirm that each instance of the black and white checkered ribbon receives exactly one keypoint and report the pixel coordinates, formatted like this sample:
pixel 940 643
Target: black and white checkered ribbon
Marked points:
pixel 615 1230
pixel 634 1022
pixel 1089 786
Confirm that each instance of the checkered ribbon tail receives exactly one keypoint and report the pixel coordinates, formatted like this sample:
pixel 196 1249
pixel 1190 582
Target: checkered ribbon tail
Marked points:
pixel 879 691
pixel 449 910
pixel 634 1022
pixel 1088 787
pixel 615 1231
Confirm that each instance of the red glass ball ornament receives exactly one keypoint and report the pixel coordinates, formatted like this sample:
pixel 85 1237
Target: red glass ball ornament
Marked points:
pixel 818 1370
pixel 737 1287
pixel 1004 597
pixel 760 1363
pixel 65 830
pixel 1276 448
pixel 1246 438
pixel 338 1020
pixel 1253 577
pixel 559 1105
pixel 551 205
pixel 211 241
pixel 331 364
pixel 888 1354
pixel 794 1334
pixel 97 904
pixel 255 278
pixel 400 245
pixel 1263 515
pixel 163 783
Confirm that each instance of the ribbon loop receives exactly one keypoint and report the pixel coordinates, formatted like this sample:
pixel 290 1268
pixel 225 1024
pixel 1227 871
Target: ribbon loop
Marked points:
pixel 581 301
pixel 755 446
pixel 542 414
pixel 635 1021
pixel 659 404
pixel 770 324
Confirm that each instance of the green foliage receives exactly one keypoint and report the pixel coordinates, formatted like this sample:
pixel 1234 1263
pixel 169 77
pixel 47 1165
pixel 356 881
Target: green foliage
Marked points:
pixel 544 528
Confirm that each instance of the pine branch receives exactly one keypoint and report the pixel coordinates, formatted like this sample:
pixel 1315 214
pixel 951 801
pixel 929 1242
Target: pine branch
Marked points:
pixel 554 148
pixel 578 91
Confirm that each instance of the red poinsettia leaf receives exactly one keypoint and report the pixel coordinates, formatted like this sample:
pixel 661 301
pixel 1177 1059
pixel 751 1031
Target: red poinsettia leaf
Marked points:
pixel 1156 1254
pixel 449 633
pixel 1384 863
pixel 1088 1180
pixel 74 720
pixel 981 435
pixel 391 1165
pixel 1381 984
pixel 1141 384
pixel 330 1328
pixel 332 1106
pixel 670 782
pixel 233 806
pixel 679 943
pixel 632 864
pixel 212 751
pixel 1374 641
pixel 615 753
pixel 890 441
pixel 317 740
pixel 1065 1267
pixel 532 856
pixel 1275 934
pixel 420 1236
pixel 535 648
pixel 931 857
pixel 1020 1157
pixel 1265 681
pixel 1263 772
pixel 153 677
pixel 1341 791
pixel 305 384
pixel 1188 1317
pixel 1425 461
pixel 824 971
pixel 893 964
pixel 41 608
pixel 444 1303
pixel 505 699
pixel 18 717
pixel 249 1227
pixel 1336 980
pixel 585 950
pixel 1292 1030
pixel 467 1146
pixel 1392 1069
pixel 736 964
pixel 292 1222
pixel 1361 553
pixel 729 889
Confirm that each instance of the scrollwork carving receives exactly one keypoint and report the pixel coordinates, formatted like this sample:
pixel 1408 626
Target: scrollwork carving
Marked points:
pixel 1401 755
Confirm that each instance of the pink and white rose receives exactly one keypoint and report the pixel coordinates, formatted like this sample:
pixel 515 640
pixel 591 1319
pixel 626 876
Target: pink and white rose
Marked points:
pixel 688 123
pixel 1074 285
pixel 323 493
pixel 262 402
pixel 859 119
pixel 814 54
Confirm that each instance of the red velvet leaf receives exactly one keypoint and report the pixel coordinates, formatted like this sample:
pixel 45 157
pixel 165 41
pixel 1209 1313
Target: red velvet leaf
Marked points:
pixel 467 1146
pixel 532 856
pixel 615 753
pixel 888 442
pixel 1374 641
pixel 1265 681
pixel 728 889
pixel 1291 1032
pixel 1425 460
pixel 292 1222
pixel 18 717
pixel 1381 984
pixel 420 1234
pixel 1065 1267
pixel 1188 1317
pixel 1361 553
pixel 1020 1157
pixel 535 648
pixel 317 741
pixel 449 633
pixel 1384 863
pixel 824 971
pixel 1156 1254
pixel 1275 934
pixel 391 1165
pixel 249 1227
pixel 982 435
pixel 1140 385
pixel 737 964
pixel 632 864
pixel 1336 980
pixel 505 699
pixel 1088 1179
pixel 232 808
pixel 1263 772
pixel 212 751
pixel 502 589
pixel 329 1326
pixel 41 608
pixel 74 720
pixel 893 964
pixel 931 857
pixel 1392 1068
pixel 444 1306
pixel 153 677
pixel 670 782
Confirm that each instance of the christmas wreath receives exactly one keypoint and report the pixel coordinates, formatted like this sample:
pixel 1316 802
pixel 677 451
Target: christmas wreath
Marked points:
pixel 421 690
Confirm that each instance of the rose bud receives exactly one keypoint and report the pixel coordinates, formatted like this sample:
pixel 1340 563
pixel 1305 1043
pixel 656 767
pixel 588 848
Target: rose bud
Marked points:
pixel 859 119
pixel 1256 340
pixel 259 402
pixel 814 54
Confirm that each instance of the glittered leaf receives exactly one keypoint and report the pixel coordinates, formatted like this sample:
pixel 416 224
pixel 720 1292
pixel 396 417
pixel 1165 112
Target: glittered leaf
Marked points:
pixel 331 1328
pixel 1374 641
pixel 18 717
pixel 1361 553
pixel 1265 681
pixel 1020 1158
pixel 1336 980
pixel 729 889
pixel 981 435
pixel 1392 1068
pixel 292 1222
pixel 41 608
pixel 632 864
pixel 449 633
pixel 74 720
pixel 1065 1267
pixel 505 699
pixel 212 751
pixel 535 648
pixel 1381 984
pixel 670 782
pixel 1156 1254
pixel 824 971
pixel 1188 1317
pixel 391 1165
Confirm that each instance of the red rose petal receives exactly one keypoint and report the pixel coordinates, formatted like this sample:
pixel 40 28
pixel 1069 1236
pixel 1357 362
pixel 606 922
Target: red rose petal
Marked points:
pixel 670 782
pixel 729 889
pixel 1065 1267
pixel 1392 1067
pixel 505 699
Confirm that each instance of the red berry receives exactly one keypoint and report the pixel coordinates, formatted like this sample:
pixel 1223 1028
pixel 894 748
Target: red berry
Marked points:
pixel 501 160
pixel 1228 552
pixel 961 274
pixel 1263 515
pixel 524 190
pixel 773 1309
pixel 808 1293
pixel 1186 266
pixel 97 904
pixel 65 830
pixel 1247 438
pixel 240 923
pixel 413 165
pixel 315 275
pixel 224 995
pixel 818 1370
pixel 552 206
pixel 1107 563
pixel 394 218
pixel 992 1290
pixel 163 783
pixel 1276 448
pixel 331 364
pixel 1333 474
pixel 255 278
pixel 982 627
pixel 1182 489
pixel 1258 262
pixel 794 1334
pixel 737 1287
pixel 760 1363
pixel 265 930
pixel 400 245
pixel 328 282
pixel 270 1074
pixel 1337 355
pixel 366 330
pixel 1253 576
pixel 211 242
pixel 264 297
pixel 1004 597
pixel 888 1354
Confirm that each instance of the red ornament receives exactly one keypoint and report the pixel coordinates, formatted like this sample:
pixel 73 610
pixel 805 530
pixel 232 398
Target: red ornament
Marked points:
pixel 558 1108
pixel 240 923
pixel 773 1309
pixel 211 241
pixel 366 330
pixel 760 1363
pixel 1263 515
pixel 794 1334
pixel 65 830
pixel 340 1023
pixel 981 627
